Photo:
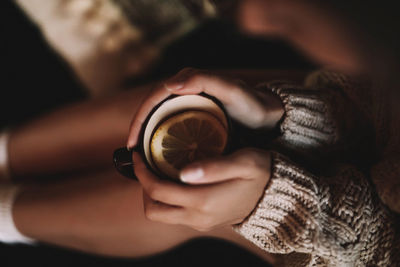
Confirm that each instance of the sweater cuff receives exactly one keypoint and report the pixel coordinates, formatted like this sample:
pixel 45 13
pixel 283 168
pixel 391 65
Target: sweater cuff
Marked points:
pixel 285 217
pixel 308 121
pixel 8 231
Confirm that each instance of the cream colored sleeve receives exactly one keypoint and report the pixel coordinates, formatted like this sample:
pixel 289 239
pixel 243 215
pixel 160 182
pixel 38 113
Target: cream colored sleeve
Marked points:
pixel 320 121
pixel 338 220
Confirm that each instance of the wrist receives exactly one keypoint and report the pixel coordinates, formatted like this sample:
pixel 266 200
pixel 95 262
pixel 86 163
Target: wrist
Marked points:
pixel 277 110
pixel 274 106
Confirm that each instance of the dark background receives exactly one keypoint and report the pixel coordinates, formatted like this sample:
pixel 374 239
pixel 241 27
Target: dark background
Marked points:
pixel 35 80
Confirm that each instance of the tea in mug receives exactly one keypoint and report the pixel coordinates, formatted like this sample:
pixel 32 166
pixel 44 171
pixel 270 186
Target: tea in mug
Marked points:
pixel 179 131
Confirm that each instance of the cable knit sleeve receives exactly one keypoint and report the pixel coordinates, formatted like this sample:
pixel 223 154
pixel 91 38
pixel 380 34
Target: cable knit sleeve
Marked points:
pixel 321 121
pixel 338 220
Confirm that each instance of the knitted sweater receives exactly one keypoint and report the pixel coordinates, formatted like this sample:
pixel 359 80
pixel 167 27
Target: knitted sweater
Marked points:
pixel 335 218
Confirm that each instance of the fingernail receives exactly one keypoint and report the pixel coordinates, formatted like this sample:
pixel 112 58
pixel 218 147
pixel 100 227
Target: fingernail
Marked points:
pixel 174 86
pixel 192 174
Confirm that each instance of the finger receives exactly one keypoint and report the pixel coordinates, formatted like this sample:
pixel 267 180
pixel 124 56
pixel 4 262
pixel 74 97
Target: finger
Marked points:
pixel 192 81
pixel 161 212
pixel 158 95
pixel 238 101
pixel 243 164
pixel 161 190
pixel 176 82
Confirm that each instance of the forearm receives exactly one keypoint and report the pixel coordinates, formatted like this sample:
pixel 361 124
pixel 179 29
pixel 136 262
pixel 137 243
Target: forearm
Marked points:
pixel 82 136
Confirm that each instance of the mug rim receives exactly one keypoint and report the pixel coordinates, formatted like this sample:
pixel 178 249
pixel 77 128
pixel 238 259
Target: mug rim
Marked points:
pixel 145 145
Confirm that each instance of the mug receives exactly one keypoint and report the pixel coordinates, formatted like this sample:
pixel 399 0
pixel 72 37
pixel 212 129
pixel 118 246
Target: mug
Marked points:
pixel 171 106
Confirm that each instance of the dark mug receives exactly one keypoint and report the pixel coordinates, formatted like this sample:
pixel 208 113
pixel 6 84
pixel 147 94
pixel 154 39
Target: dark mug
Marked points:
pixel 171 106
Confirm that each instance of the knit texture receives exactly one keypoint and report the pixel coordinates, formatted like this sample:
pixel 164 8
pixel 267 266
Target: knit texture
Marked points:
pixel 320 120
pixel 327 220
pixel 307 122
pixel 381 109
pixel 336 220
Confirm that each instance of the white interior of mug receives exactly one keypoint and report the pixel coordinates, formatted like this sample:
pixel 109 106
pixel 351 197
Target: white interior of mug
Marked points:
pixel 174 105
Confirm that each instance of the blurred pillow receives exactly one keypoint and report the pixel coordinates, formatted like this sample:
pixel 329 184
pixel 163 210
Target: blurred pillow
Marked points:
pixel 106 41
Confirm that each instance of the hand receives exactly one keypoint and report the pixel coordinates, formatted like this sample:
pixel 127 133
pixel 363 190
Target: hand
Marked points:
pixel 216 193
pixel 249 107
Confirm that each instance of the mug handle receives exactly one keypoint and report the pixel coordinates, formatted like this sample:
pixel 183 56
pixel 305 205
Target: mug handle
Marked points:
pixel 123 162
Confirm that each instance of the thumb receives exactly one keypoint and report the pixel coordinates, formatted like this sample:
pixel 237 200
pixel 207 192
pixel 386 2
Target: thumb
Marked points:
pixel 238 165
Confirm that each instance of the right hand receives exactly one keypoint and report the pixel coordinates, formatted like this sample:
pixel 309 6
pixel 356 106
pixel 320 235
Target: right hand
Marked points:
pixel 227 190
pixel 241 103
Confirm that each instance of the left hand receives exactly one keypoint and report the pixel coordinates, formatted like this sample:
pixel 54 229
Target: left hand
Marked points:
pixel 217 192
pixel 252 108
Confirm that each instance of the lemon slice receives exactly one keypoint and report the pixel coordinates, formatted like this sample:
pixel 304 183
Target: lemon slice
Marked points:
pixel 184 138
